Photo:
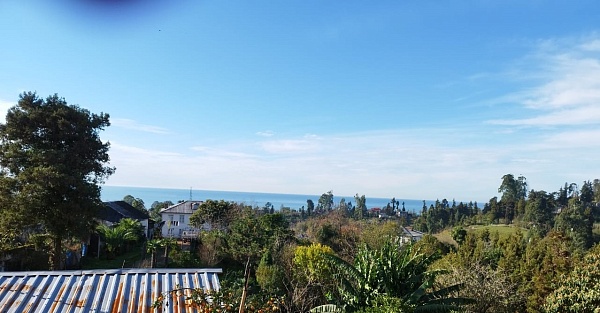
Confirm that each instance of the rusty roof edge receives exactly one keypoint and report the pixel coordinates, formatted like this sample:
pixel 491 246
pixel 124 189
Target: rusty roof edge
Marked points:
pixel 114 271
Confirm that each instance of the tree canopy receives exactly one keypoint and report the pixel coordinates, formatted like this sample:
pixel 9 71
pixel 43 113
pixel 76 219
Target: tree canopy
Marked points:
pixel 52 163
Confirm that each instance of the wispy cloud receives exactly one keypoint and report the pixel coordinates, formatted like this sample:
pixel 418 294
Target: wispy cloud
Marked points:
pixel 571 140
pixel 566 90
pixel 305 145
pixel 550 139
pixel 220 152
pixel 415 164
pixel 373 163
pixel 134 125
pixel 266 133
pixel 577 116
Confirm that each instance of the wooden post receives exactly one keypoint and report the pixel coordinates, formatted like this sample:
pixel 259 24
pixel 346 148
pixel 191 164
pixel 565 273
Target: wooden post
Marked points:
pixel 245 291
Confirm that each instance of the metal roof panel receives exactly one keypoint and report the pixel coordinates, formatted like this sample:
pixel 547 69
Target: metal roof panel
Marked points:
pixel 100 291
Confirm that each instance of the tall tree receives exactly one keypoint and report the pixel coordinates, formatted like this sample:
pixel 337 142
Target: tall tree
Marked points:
pixel 596 188
pixel 576 221
pixel 268 208
pixel 155 209
pixel 342 205
pixel 53 162
pixel 361 206
pixel 325 202
pixel 136 203
pixel 538 212
pixel 587 192
pixel 512 191
pixel 218 213
pixel 310 207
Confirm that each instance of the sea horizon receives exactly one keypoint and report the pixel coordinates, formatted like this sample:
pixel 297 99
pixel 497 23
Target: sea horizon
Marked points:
pixel 256 199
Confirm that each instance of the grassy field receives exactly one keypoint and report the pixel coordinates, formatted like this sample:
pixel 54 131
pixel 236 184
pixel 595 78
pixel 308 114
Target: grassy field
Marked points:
pixel 503 231
pixel 445 236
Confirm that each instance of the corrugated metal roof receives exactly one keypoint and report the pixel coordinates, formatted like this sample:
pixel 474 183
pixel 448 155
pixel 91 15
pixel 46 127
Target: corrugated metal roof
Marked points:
pixel 100 291
pixel 186 207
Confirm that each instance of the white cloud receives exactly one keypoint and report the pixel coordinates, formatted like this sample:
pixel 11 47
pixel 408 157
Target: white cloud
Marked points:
pixel 376 164
pixel 592 45
pixel 413 164
pixel 567 85
pixel 134 125
pixel 305 145
pixel 550 140
pixel 583 140
pixel 573 81
pixel 4 106
pixel 577 116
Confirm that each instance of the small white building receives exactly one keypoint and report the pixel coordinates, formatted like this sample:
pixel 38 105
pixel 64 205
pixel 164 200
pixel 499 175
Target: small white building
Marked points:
pixel 176 218
pixel 410 235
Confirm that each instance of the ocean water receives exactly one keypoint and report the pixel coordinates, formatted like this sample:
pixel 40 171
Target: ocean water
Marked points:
pixel 293 201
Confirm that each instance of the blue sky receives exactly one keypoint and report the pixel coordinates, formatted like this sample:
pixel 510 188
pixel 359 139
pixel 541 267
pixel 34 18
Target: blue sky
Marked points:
pixel 412 99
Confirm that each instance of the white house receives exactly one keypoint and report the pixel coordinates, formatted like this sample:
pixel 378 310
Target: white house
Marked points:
pixel 176 218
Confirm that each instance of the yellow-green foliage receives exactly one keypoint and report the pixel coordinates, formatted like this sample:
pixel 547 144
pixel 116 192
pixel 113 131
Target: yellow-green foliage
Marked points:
pixel 269 277
pixel 578 291
pixel 375 232
pixel 310 263
pixel 446 237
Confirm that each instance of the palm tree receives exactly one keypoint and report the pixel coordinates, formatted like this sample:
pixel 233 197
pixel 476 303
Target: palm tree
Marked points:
pixel 134 226
pixel 151 247
pixel 115 237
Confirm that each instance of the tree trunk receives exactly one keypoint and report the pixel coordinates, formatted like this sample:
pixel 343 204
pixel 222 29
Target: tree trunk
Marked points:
pixel 56 254
pixel 167 255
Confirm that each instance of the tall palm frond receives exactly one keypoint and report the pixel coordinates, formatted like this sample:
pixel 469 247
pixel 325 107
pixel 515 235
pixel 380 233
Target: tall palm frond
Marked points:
pixel 115 237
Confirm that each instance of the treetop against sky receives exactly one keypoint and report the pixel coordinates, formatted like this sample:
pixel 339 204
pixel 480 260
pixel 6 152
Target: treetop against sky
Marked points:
pixel 416 100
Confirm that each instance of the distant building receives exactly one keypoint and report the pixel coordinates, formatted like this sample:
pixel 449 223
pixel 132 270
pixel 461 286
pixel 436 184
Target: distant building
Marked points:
pixel 176 219
pixel 114 211
pixel 410 235
pixel 374 212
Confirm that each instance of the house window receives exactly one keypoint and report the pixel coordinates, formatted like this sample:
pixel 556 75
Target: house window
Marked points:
pixel 181 219
pixel 171 222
